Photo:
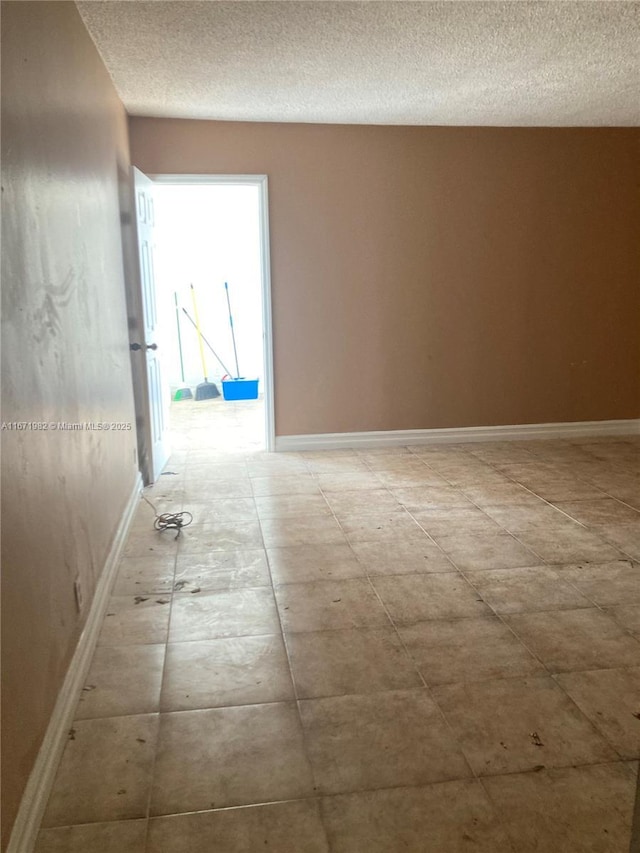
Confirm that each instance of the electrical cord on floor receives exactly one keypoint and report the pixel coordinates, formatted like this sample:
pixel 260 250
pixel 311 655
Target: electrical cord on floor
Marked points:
pixel 170 520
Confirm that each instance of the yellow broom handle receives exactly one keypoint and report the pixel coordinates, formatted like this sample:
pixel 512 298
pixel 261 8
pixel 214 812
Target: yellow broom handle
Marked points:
pixel 195 312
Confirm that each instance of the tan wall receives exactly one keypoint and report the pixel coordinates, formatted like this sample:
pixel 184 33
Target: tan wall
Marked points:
pixel 64 357
pixel 438 277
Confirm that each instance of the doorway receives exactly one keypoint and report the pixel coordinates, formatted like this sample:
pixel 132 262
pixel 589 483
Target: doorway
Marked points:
pixel 212 271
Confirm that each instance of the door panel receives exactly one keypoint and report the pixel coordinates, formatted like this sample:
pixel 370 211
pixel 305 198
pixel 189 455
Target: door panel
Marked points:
pixel 155 402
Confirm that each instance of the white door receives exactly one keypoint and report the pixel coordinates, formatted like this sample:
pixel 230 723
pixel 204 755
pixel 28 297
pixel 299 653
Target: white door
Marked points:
pixel 155 415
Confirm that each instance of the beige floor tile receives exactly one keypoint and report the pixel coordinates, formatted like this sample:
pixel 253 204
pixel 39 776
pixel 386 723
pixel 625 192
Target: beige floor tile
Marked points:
pixel 469 474
pixel 456 521
pixel 170 500
pixel 233 671
pixel 122 680
pixel 294 827
pixel 149 543
pixel 221 471
pixel 345 453
pixel 400 558
pixel 422 477
pixel 302 530
pixel 362 502
pixel 124 836
pixel 467 650
pixel 526 590
pixel 361 660
pixel 288 506
pixel 567 640
pixel 448 817
pixel 145 575
pixel 630 495
pixel 417 475
pixel 211 508
pixel 381 527
pixel 219 489
pixel 336 482
pixel 603 511
pixel 471 552
pixel 441 454
pixel 568 545
pixel 617 582
pixel 135 619
pixel 229 756
pixel 300 484
pixel 501 724
pixel 304 563
pixel 610 698
pixel 105 772
pixel 219 571
pixel 350 465
pixel 207 616
pixel 488 476
pixel 415 598
pixel 420 498
pixel 379 740
pixel 572 809
pixel 542 518
pixel 221 536
pixel 329 605
pixel 384 460
pixel 276 465
pixel 626 615
pixel 503 452
pixel 623 537
pixel 500 494
pixel 398 453
pixel 568 489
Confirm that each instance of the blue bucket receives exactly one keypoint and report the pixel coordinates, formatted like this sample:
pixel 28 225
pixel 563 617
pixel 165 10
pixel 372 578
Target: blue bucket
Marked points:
pixel 240 389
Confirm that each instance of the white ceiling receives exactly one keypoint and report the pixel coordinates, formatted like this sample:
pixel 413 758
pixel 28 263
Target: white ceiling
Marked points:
pixel 422 63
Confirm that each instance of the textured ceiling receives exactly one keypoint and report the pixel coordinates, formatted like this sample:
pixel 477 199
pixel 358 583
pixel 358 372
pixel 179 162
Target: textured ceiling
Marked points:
pixel 426 63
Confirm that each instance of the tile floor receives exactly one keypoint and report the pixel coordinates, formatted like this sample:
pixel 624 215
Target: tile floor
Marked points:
pixel 425 649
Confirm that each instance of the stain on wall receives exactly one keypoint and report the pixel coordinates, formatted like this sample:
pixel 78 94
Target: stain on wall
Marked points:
pixel 65 358
pixel 427 277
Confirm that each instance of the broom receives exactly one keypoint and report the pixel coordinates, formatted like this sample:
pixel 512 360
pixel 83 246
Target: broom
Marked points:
pixel 205 390
pixel 215 354
pixel 185 392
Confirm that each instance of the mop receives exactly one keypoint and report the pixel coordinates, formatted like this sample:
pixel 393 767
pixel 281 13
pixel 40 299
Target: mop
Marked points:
pixel 215 354
pixel 185 392
pixel 237 388
pixel 233 334
pixel 205 390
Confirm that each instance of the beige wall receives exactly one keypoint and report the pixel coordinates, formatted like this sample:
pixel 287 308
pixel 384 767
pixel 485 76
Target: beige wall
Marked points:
pixel 438 277
pixel 64 357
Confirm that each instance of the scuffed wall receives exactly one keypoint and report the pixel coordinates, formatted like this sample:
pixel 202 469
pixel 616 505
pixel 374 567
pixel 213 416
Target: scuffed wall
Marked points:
pixel 427 277
pixel 65 358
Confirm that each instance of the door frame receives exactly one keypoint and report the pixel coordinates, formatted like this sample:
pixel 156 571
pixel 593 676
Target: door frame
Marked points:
pixel 261 182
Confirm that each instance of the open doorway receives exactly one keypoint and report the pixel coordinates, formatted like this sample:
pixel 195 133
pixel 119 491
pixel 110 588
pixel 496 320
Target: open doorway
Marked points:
pixel 212 272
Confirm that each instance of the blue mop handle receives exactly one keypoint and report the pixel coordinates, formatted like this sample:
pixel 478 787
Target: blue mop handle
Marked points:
pixel 233 334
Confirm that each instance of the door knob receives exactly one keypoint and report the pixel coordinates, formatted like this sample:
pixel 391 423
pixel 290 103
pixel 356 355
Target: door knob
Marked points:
pixel 137 347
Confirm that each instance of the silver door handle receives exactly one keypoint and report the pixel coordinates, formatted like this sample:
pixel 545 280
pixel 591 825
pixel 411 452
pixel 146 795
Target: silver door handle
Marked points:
pixel 137 347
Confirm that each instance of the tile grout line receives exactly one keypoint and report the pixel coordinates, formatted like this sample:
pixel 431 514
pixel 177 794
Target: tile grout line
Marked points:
pixel 294 686
pixel 534 655
pixel 419 673
pixel 152 772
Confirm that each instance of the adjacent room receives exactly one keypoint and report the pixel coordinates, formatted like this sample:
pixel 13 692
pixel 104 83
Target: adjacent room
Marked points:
pixel 212 291
pixel 321 427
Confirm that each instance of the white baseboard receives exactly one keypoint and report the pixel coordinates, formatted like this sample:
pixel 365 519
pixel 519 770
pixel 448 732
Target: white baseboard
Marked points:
pixel 403 437
pixel 36 793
